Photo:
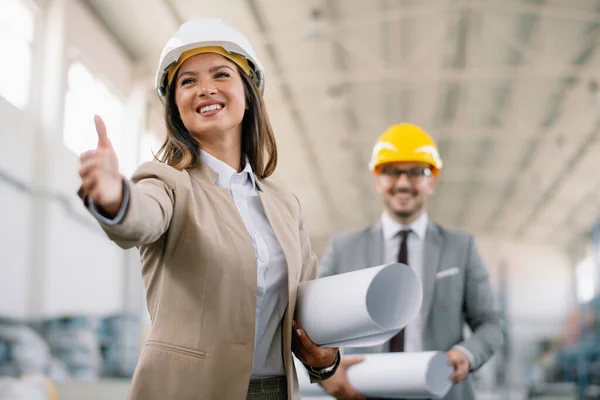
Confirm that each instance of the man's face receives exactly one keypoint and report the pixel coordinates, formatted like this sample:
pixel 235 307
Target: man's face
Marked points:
pixel 405 188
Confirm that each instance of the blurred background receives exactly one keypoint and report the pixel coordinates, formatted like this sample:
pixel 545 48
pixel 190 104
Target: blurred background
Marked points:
pixel 508 88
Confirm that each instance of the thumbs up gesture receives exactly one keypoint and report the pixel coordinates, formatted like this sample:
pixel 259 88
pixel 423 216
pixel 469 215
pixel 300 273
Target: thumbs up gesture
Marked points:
pixel 99 171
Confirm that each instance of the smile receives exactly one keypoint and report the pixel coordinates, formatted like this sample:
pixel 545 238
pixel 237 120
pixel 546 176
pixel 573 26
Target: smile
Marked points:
pixel 210 108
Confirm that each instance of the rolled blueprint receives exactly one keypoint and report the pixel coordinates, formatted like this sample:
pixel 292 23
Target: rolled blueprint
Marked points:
pixel 391 376
pixel 360 308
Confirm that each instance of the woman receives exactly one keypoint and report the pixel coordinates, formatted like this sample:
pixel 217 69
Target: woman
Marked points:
pixel 223 249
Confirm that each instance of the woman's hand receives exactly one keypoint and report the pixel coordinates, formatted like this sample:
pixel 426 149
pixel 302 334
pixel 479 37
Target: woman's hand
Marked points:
pixel 99 171
pixel 309 353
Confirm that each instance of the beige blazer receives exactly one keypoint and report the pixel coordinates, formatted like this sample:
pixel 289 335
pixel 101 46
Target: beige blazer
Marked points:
pixel 199 270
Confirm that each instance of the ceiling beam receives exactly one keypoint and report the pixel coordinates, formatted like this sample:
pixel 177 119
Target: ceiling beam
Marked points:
pixel 440 75
pixel 564 100
pixel 484 144
pixel 524 47
pixel 341 53
pixel 450 25
pixel 550 11
pixel 459 132
pixel 547 196
pixel 428 43
pixel 344 25
pixel 452 100
pixel 420 11
pixel 385 51
pixel 173 10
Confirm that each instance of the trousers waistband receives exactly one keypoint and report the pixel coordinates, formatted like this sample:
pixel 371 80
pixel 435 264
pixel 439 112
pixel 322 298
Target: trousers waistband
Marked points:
pixel 277 384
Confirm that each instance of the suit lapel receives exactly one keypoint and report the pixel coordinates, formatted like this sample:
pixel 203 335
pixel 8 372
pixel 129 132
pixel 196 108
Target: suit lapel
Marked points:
pixel 434 242
pixel 374 250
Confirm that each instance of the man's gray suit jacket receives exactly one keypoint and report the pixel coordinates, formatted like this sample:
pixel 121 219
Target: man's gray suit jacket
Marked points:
pixel 461 295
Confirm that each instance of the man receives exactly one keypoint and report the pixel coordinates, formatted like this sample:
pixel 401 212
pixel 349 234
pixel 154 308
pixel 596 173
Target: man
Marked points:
pixel 456 288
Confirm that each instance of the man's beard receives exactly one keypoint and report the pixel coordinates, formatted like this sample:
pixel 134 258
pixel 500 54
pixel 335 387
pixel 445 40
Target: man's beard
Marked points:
pixel 407 213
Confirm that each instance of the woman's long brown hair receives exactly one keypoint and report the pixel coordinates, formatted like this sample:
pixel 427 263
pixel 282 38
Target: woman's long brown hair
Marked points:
pixel 181 149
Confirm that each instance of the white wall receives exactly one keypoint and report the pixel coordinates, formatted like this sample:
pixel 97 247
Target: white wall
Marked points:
pixel 540 278
pixel 540 293
pixel 51 264
pixel 16 142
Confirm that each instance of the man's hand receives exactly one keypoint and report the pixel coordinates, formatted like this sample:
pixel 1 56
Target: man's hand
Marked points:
pixel 338 385
pixel 461 364
pixel 310 353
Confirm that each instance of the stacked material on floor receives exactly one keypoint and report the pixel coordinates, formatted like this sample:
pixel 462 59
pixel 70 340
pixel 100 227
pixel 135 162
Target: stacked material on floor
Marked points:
pixel 33 387
pixel 23 351
pixel 70 347
pixel 74 341
pixel 119 337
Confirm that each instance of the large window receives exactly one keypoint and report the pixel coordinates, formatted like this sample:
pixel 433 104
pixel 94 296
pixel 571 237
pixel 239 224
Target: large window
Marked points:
pixel 17 27
pixel 86 96
pixel 586 279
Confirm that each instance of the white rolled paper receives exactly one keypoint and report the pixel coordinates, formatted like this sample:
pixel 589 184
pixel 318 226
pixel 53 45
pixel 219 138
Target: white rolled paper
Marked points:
pixel 403 375
pixel 308 390
pixel 391 376
pixel 360 308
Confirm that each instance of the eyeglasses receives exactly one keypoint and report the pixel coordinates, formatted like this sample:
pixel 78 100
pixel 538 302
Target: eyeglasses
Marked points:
pixel 414 175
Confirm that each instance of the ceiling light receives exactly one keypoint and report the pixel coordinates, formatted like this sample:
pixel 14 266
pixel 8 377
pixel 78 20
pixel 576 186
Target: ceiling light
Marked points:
pixel 316 28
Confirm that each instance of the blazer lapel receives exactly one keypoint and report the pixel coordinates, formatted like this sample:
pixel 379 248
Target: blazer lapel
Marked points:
pixel 285 232
pixel 222 196
pixel 240 239
pixel 434 243
pixel 374 250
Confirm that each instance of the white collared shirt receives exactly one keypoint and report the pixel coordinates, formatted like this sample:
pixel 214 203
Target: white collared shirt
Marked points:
pixel 416 254
pixel 413 335
pixel 272 274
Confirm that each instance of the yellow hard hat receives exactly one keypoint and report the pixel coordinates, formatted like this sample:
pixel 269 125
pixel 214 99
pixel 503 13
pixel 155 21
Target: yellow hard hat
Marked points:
pixel 405 143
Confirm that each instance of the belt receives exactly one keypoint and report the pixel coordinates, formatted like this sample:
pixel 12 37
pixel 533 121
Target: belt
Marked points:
pixel 277 384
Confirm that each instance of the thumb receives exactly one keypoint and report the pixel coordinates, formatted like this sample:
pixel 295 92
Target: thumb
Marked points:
pixel 351 360
pixel 103 140
pixel 453 361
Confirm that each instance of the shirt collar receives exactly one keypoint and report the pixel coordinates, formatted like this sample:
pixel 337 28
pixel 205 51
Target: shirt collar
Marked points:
pixel 225 172
pixel 391 228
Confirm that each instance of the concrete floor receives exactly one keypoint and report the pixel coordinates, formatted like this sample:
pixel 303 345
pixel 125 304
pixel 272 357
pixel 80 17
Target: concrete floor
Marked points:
pixel 106 389
pixel 109 389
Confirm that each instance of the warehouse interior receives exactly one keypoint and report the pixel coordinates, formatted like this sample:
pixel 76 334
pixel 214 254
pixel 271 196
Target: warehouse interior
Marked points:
pixel 509 90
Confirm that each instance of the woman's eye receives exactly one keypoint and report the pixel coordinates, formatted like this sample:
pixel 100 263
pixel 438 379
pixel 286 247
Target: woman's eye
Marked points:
pixel 186 81
pixel 222 75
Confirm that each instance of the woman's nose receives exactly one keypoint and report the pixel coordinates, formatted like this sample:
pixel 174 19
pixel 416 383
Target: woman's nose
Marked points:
pixel 206 91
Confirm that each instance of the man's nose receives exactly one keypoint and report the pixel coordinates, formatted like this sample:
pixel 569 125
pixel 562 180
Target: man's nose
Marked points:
pixel 402 181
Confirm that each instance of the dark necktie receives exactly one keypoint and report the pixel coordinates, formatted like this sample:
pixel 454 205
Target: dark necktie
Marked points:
pixel 397 342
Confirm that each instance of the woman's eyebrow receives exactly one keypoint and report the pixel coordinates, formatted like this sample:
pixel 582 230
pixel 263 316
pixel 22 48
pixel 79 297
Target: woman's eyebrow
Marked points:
pixel 190 72
pixel 218 67
pixel 211 70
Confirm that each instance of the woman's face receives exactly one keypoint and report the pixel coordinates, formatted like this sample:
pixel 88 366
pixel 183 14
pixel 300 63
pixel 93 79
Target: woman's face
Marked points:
pixel 210 96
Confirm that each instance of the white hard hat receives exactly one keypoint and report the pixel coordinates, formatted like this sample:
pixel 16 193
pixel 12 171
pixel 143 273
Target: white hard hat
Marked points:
pixel 207 32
